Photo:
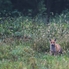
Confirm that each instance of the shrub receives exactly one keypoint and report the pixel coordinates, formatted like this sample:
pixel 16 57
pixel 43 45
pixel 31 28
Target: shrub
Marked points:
pixel 44 33
pixel 21 51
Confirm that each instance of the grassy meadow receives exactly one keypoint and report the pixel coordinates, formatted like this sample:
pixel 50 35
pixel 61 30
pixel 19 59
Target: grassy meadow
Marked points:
pixel 24 43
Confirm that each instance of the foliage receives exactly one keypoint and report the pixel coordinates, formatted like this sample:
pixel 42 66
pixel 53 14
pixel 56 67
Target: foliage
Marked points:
pixel 6 7
pixel 32 7
pixel 41 7
pixel 24 43
pixel 25 59
pixel 15 31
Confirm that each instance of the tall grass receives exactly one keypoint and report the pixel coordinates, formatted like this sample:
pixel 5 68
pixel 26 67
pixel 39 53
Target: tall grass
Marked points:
pixel 24 43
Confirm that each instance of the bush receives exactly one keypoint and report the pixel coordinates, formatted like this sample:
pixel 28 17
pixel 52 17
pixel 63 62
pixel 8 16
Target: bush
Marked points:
pixel 22 29
pixel 44 33
pixel 21 51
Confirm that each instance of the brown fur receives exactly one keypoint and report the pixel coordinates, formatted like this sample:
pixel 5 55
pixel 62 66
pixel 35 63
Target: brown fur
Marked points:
pixel 55 48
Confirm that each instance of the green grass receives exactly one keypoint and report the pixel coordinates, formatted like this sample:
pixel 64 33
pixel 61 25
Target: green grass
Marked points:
pixel 24 43
pixel 24 57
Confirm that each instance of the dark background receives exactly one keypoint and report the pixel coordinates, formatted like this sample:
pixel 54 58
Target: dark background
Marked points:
pixel 33 7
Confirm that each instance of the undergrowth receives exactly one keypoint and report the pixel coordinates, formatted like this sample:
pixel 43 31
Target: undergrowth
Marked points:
pixel 24 43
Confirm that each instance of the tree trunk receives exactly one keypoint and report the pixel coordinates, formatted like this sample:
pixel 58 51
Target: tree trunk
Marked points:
pixel 48 10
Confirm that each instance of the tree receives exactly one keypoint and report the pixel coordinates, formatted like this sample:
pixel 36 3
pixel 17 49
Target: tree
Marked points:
pixel 5 7
pixel 34 7
pixel 48 3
